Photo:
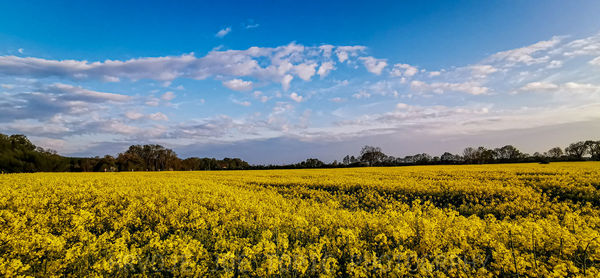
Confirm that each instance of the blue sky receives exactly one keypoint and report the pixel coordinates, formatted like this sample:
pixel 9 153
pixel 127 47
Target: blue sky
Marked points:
pixel 280 81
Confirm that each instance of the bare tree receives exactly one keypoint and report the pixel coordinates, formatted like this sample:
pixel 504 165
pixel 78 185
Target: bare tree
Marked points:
pixel 371 155
pixel 346 160
pixel 508 153
pixel 469 155
pixel 593 148
pixel 555 152
pixel 576 150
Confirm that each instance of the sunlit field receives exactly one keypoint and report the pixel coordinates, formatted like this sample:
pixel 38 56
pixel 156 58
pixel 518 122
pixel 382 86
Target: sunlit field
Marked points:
pixel 456 221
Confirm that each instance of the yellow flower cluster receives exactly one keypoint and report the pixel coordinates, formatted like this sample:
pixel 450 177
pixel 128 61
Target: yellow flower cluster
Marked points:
pixel 434 221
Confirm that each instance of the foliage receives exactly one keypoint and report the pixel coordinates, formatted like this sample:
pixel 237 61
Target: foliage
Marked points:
pixel 371 155
pixel 434 221
pixel 18 155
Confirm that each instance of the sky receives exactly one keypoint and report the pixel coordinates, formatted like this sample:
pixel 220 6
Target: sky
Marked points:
pixel 281 81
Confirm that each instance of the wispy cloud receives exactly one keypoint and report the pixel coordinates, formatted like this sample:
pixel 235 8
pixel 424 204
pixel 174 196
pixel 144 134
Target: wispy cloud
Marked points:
pixel 223 32
pixel 472 88
pixel 241 102
pixel 168 96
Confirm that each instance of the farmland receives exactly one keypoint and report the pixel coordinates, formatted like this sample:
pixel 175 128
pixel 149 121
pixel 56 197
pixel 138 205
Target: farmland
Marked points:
pixel 442 221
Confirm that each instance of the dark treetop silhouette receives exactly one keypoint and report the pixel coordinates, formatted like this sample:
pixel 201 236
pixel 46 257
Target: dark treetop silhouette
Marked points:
pixel 18 154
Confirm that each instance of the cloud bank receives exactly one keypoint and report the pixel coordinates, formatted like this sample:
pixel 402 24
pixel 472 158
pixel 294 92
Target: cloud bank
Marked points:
pixel 324 94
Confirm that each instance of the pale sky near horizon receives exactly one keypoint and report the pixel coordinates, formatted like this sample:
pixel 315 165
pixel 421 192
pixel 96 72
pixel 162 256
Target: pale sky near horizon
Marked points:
pixel 281 81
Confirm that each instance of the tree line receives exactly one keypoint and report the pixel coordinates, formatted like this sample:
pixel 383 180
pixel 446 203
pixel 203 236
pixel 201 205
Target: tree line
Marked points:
pixel 578 151
pixel 374 156
pixel 18 154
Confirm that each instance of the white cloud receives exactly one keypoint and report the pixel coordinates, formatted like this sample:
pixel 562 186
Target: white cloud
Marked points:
pixel 285 81
pixel 238 85
pixel 345 52
pixel 573 83
pixel 21 50
pixel 403 70
pixel 297 98
pixel 259 95
pixel 568 87
pixel 168 96
pixel 115 126
pixel 342 56
pixel 158 68
pixel 539 86
pixel 134 115
pixel 65 110
pixel 433 117
pixel 81 93
pixel 554 64
pixel 361 94
pixel 51 143
pixel 374 65
pixel 482 71
pixel 589 46
pixel 434 73
pixel 38 128
pixel 158 116
pixel 401 105
pixel 478 119
pixel 305 71
pixel 223 32
pixel 472 88
pixel 152 101
pixel 325 68
pixel 581 87
pixel 270 64
pixel 327 49
pixel 108 78
pixel 242 103
pixel 525 55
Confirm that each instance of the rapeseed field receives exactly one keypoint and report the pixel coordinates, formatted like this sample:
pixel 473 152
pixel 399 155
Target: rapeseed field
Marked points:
pixel 430 221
